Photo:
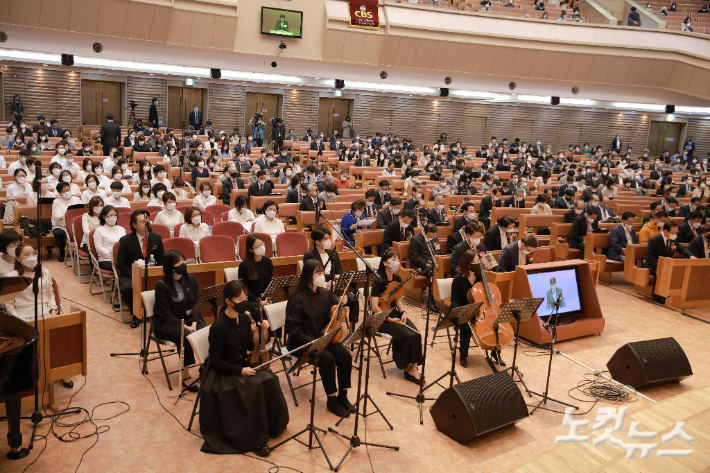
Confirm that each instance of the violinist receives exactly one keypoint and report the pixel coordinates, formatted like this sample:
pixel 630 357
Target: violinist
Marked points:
pixel 329 257
pixel 406 339
pixel 175 295
pixel 240 408
pixel 308 312
pixel 256 271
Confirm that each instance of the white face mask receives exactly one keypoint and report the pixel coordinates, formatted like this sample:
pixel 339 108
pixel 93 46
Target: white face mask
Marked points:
pixel 57 172
pixel 110 221
pixel 21 180
pixel 124 166
pixel 395 211
pixel 159 195
pixel 439 208
pixel 578 211
pixel 30 261
pixel 403 225
pixel 161 175
pixel 196 220
pixel 11 251
pixel 171 206
pixel 319 281
pixel 672 237
pixel 393 265
pixel 206 192
pixel 116 194
pixel 146 190
pixel 98 171
pixel 271 213
pixel 61 151
pixel 66 195
pixel 327 243
pixel 261 251
pixel 696 225
pixel 66 179
pixel 44 187
pixel 475 241
pixel 92 185
pixel 34 148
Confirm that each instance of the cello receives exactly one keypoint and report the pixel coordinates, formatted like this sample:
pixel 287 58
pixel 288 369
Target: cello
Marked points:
pixel 338 318
pixel 486 331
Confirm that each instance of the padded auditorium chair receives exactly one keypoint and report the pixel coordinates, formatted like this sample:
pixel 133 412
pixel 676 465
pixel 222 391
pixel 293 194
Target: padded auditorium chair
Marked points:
pixel 149 304
pixel 200 342
pixel 291 244
pixel 233 230
pixel 216 210
pixel 161 230
pixel 71 243
pixel 183 245
pixel 81 255
pixel 216 248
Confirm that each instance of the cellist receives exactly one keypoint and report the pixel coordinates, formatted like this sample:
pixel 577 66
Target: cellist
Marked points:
pixel 406 339
pixel 307 314
pixel 464 280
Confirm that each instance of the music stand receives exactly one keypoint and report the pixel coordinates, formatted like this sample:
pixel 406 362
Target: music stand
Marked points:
pixel 518 311
pixel 338 286
pixel 455 318
pixel 310 355
pixel 210 299
pixel 281 283
pixel 367 327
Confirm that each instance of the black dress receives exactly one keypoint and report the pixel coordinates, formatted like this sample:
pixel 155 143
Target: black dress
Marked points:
pixel 237 413
pixel 406 343
pixel 459 297
pixel 256 287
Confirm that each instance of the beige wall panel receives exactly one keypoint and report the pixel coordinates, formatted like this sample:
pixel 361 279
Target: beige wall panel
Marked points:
pixel 699 82
pixel 161 22
pixel 579 69
pixel 4 11
pixel 541 64
pixel 142 90
pixel 333 44
pixel 620 68
pixel 561 65
pixel 84 16
pixel 389 50
pixel 226 106
pixel 445 56
pixel 300 110
pixel 112 17
pixel 140 21
pixel 465 55
pixel 483 63
pixel 680 77
pixel 523 62
pixel 601 65
pixel 224 28
pixel 639 71
pixel 503 61
pixel 202 30
pixel 55 14
pixel 660 73
pixel 180 27
pixel 426 51
pixel 353 46
pixel 372 48
pixel 24 12
pixel 406 52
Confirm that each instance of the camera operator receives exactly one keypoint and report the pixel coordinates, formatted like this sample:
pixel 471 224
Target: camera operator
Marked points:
pixel 278 133
pixel 110 134
pixel 257 129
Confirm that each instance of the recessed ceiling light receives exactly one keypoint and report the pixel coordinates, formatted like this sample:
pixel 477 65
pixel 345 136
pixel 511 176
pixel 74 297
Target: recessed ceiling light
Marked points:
pixel 45 65
pixel 152 74
pixel 317 78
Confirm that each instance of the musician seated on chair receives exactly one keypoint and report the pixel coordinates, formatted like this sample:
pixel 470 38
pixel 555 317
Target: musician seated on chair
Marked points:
pixel 175 296
pixel 240 408
pixel 256 271
pixel 308 313
pixel 406 339
pixel 422 247
pixel 329 257
pixel 468 273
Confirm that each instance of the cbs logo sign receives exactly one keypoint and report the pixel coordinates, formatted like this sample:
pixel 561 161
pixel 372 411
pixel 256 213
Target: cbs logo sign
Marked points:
pixel 363 13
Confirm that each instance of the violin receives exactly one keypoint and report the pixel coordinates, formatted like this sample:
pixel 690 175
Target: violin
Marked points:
pixel 338 318
pixel 260 344
pixel 394 291
pixel 486 331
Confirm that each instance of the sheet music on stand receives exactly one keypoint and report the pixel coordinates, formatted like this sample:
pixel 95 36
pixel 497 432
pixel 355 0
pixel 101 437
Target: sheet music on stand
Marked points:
pixel 458 316
pixel 277 284
pixel 210 299
pixel 525 309
pixel 314 350
pixel 343 278
pixel 369 324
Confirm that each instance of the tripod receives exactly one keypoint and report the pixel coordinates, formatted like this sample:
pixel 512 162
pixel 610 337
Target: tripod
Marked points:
pixel 132 116
pixel 544 396
pixel 369 325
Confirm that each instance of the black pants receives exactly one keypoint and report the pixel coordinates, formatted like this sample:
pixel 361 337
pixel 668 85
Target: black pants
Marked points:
pixel 579 246
pixel 334 358
pixel 126 288
pixel 464 339
pixel 486 221
pixel 60 236
pixel 13 408
pixel 105 265
pixel 175 336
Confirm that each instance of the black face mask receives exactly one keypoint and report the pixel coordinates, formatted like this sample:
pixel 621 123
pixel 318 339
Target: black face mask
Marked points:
pixel 181 269
pixel 234 174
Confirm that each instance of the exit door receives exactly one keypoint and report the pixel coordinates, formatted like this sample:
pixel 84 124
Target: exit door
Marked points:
pixel 331 114
pixel 664 136
pixel 181 100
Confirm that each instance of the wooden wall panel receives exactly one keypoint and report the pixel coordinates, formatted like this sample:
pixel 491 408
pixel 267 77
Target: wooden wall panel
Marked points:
pixel 226 107
pixel 300 111
pixel 142 90
pixel 423 120
pixel 700 131
pixel 54 94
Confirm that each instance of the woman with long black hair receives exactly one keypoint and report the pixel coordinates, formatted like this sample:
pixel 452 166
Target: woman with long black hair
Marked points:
pixel 175 296
pixel 257 270
pixel 307 314
pixel 240 408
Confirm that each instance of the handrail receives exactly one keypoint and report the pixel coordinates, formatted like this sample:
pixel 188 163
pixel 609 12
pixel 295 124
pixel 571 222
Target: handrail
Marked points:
pixel 602 9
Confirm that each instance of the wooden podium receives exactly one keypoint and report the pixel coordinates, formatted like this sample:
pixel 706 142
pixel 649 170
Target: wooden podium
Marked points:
pixel 589 322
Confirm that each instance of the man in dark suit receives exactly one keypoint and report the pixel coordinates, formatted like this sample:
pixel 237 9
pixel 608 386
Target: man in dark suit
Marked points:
pixel 605 213
pixel 456 237
pixel 414 201
pixel 295 196
pixel 282 25
pixel 262 161
pixel 668 204
pixel 309 135
pixel 574 212
pixel 438 213
pixel 153 119
pixel 389 213
pixel 336 145
pixel 233 182
pixel 517 200
pixel 134 247
pixel 318 145
pixel 587 222
pixel 53 129
pixel 592 190
pixel 110 134
pixel 420 255
pixel 262 186
pixel 195 118
pixel 382 196
pixel 487 204
pixel 664 245
pixel 538 148
pixel 468 211
pixel 685 210
pixel 398 230
pixel 620 236
pixel 497 236
pixel 691 228
pixel 472 232
pixel 510 255
pixel 689 145
pixel 686 189
pixel 568 201
pixel 278 134
pixel 697 245
pixel 312 202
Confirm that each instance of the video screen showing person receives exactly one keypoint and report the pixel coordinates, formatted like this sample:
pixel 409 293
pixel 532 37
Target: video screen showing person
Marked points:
pixel 281 22
pixel 554 285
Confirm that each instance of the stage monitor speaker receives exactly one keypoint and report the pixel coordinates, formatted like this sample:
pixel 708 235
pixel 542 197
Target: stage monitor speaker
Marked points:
pixel 474 408
pixel 649 363
pixel 67 59
pixel 216 73
pixel 555 101
pixel 670 108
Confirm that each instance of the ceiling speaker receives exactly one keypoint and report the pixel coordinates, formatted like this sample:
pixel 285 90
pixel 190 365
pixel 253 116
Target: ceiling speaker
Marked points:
pixel 512 85
pixel 339 84
pixel 555 101
pixel 3 36
pixel 216 73
pixel 383 75
pixel 97 47
pixel 443 92
pixel 67 59
pixel 575 90
pixel 273 64
pixel 670 108
pixel 447 80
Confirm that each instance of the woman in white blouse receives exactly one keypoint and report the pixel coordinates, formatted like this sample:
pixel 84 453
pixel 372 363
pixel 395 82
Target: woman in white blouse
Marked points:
pixel 194 227
pixel 44 192
pixel 85 169
pixel 241 214
pixel 90 220
pixel 144 173
pixel 55 169
pixel 143 193
pixel 59 210
pixel 269 223
pixel 19 188
pixel 117 176
pixel 92 182
pixel 98 169
pixel 180 189
pixel 107 235
pixel 161 176
pixel 170 216
pixel 65 176
pixel 115 198
pixel 205 198
pixel 23 305
pixel 159 191
pixel 9 240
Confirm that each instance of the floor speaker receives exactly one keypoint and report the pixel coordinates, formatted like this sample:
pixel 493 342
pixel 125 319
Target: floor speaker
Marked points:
pixel 649 363
pixel 474 408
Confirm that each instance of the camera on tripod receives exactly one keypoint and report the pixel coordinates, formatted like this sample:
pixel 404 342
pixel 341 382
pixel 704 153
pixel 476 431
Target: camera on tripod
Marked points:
pixel 275 120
